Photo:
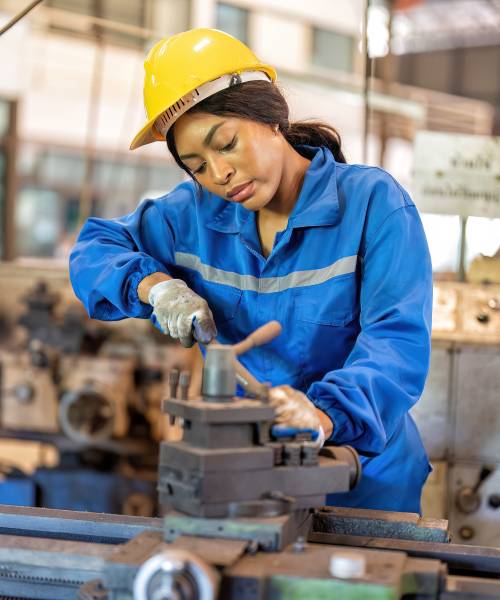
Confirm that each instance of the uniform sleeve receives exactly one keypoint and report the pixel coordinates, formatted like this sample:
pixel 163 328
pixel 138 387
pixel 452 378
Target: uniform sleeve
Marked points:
pixel 385 372
pixel 111 257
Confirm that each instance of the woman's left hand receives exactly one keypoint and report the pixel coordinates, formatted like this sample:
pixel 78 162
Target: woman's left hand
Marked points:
pixel 294 409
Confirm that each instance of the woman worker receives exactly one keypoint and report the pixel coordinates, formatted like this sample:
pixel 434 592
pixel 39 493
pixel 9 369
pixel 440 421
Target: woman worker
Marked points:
pixel 273 224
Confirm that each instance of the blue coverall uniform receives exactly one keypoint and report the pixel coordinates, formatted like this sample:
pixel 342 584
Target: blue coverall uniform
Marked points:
pixel 349 279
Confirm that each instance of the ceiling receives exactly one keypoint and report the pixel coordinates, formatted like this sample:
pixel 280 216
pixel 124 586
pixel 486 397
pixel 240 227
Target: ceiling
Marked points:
pixel 420 26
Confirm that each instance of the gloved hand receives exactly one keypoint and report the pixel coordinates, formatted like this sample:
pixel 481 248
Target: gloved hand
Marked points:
pixel 176 307
pixel 294 409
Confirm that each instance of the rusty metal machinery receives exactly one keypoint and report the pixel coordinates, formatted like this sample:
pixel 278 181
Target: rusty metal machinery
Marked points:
pixel 61 381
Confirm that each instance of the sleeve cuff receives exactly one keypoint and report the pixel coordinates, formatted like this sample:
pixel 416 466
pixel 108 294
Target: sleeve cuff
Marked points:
pixel 338 418
pixel 143 310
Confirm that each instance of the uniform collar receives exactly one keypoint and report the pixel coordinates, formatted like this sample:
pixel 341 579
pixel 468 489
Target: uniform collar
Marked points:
pixel 316 205
pixel 318 202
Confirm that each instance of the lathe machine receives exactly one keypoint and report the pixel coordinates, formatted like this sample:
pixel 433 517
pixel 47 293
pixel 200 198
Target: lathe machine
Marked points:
pixel 244 519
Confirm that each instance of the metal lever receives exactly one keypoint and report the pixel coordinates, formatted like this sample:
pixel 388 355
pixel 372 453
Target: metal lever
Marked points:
pixel 260 336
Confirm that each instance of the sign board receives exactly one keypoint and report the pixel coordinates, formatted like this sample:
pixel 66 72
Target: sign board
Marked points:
pixel 457 174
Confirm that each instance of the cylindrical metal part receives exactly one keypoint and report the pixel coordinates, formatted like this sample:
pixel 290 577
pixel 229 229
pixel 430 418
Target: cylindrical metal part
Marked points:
pixel 219 377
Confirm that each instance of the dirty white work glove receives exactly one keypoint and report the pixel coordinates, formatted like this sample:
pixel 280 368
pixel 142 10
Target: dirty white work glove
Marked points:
pixel 294 409
pixel 176 307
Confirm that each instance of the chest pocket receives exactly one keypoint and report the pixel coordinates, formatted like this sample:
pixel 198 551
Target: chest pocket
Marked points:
pixel 223 300
pixel 334 302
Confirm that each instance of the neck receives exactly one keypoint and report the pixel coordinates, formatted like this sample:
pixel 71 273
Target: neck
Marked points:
pixel 294 170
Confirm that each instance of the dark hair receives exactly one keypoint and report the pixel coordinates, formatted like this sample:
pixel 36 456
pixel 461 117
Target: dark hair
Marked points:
pixel 263 102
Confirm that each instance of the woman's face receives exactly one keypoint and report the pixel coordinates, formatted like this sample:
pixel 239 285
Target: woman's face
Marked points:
pixel 237 159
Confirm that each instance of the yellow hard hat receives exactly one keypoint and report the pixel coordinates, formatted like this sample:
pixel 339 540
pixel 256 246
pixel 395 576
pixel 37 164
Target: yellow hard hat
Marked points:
pixel 187 68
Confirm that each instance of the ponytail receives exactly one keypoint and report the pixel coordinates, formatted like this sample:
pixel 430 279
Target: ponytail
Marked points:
pixel 314 133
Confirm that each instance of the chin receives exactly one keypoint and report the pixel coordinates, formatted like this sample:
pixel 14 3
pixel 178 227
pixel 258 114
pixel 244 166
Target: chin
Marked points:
pixel 255 203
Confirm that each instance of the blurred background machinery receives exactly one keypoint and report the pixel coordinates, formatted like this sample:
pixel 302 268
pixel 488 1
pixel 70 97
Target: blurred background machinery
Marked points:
pixel 458 412
pixel 94 400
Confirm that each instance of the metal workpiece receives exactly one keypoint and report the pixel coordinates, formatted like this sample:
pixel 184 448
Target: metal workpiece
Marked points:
pixel 218 362
pixel 219 375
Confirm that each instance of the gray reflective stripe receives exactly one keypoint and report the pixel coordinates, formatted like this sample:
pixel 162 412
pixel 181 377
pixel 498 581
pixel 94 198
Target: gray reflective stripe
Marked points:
pixel 267 285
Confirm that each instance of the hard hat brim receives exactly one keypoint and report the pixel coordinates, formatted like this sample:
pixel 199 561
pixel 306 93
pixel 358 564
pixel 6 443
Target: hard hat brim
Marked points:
pixel 148 133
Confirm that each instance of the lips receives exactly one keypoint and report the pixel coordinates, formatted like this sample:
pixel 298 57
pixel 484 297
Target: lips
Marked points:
pixel 241 192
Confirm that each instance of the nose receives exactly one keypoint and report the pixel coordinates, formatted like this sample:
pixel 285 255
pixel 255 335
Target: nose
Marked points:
pixel 222 171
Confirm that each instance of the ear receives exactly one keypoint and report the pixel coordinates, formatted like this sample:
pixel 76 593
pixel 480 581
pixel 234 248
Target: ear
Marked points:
pixel 275 128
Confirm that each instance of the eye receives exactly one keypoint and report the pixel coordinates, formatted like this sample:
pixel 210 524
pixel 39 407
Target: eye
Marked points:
pixel 229 146
pixel 200 169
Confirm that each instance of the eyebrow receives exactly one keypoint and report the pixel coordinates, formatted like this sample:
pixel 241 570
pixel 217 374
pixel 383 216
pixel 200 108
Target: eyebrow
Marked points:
pixel 206 141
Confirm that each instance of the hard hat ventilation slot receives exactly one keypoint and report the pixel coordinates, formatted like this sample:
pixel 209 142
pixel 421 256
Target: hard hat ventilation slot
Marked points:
pixel 164 121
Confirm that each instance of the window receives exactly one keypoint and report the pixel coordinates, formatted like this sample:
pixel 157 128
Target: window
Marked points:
pixel 131 13
pixel 482 237
pixel 333 50
pixel 233 20
pixel 50 182
pixel 39 222
pixel 443 237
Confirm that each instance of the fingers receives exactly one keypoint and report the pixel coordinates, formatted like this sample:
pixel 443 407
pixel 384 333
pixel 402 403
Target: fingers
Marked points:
pixel 179 325
pixel 204 327
pixel 280 394
pixel 187 342
pixel 292 408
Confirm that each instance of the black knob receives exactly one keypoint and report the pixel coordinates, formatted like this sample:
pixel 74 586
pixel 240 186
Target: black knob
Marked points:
pixel 494 501
pixel 483 318
pixel 486 471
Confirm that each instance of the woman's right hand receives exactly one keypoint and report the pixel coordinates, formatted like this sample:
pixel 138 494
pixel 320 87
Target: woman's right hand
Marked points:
pixel 176 307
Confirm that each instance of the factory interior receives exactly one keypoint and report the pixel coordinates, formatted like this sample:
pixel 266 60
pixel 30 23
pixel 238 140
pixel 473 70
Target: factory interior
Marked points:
pixel 137 467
